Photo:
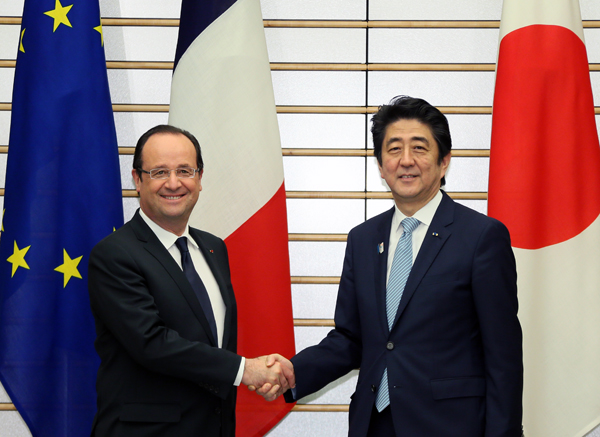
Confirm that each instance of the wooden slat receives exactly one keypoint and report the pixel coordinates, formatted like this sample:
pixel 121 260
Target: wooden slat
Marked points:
pixel 462 153
pixel 159 22
pixel 352 24
pixel 314 322
pixel 120 107
pixel 138 65
pixel 341 195
pixel 143 65
pixel 317 237
pixel 321 408
pixel 304 109
pixel 130 193
pixel 315 279
pixel 372 195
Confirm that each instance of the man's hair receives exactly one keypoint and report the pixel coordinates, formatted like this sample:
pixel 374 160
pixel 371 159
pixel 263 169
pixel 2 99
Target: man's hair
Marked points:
pixel 164 129
pixel 411 108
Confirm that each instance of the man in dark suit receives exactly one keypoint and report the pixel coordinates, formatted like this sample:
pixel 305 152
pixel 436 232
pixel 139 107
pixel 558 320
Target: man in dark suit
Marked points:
pixel 433 325
pixel 165 311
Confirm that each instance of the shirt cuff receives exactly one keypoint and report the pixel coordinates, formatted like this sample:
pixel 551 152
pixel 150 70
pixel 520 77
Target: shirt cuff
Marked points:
pixel 240 374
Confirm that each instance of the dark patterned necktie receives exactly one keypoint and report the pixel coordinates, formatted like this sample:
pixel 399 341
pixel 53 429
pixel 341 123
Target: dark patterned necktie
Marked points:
pixel 197 284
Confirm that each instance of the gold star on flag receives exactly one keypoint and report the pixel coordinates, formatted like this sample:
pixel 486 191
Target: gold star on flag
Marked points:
pixel 69 267
pixel 17 259
pixel 99 30
pixel 21 48
pixel 60 15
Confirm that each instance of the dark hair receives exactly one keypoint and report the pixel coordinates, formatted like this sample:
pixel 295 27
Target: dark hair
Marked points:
pixel 164 129
pixel 410 108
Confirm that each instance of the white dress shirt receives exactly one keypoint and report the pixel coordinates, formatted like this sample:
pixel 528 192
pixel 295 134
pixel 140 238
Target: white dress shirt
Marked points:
pixel 168 240
pixel 424 215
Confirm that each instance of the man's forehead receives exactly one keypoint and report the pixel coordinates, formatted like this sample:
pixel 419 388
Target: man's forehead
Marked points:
pixel 166 143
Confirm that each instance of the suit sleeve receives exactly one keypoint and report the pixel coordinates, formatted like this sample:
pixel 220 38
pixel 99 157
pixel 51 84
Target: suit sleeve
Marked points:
pixel 495 295
pixel 126 313
pixel 339 352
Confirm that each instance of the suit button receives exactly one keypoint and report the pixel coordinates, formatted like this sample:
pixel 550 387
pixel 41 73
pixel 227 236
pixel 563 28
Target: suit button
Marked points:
pixel 217 410
pixel 373 388
pixel 389 345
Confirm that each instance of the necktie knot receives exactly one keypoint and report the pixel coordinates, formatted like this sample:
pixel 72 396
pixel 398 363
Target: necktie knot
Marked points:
pixel 409 224
pixel 181 244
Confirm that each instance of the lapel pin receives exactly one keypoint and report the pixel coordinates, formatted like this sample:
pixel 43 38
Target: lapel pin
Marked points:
pixel 380 248
pixel 435 234
pixel 211 251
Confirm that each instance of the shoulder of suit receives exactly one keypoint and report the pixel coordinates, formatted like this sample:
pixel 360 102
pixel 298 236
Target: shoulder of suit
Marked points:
pixel 206 237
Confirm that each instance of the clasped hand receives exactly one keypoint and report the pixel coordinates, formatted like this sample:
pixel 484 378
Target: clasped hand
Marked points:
pixel 270 375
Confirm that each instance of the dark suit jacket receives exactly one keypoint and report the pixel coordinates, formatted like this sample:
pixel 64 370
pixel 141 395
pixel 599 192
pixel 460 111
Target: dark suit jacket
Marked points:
pixel 160 372
pixel 454 354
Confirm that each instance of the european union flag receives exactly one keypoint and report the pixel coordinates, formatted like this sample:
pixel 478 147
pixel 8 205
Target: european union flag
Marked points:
pixel 62 195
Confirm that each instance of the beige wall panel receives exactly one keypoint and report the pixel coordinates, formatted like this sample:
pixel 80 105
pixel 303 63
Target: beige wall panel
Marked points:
pixel 314 301
pixel 140 8
pixel 140 43
pixel 130 205
pixel 316 45
pixel 11 425
pixel 7 76
pixel 316 258
pixel 327 131
pixel 435 10
pixel 592 44
pixel 11 8
pixel 312 424
pixel 313 9
pixel 328 88
pixel 433 45
pixel 9 35
pixel 312 173
pixel 462 88
pixel 590 9
pixel 470 131
pixel 131 125
pixel 335 216
pixel 140 86
pixel 4 128
pixel 125 165
pixel 3 159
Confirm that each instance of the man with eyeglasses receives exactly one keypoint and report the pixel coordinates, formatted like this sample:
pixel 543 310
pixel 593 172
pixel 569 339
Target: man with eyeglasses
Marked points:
pixel 165 311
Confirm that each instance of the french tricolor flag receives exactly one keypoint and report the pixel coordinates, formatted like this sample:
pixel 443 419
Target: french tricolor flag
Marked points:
pixel 545 186
pixel 222 93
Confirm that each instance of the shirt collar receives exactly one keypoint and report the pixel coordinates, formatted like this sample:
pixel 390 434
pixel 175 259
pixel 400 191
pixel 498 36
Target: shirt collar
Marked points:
pixel 424 215
pixel 167 238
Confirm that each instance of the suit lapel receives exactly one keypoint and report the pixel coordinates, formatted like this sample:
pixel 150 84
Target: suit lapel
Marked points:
pixel 383 236
pixel 153 245
pixel 439 231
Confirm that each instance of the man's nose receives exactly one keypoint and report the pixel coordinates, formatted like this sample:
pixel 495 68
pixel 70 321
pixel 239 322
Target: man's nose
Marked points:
pixel 173 180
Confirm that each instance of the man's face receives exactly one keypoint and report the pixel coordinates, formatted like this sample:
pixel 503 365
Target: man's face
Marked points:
pixel 409 164
pixel 168 202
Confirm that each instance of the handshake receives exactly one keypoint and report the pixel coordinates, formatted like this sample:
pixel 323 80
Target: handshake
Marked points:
pixel 270 375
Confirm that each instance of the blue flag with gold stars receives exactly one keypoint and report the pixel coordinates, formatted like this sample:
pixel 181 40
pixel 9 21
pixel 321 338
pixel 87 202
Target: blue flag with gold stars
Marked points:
pixel 62 195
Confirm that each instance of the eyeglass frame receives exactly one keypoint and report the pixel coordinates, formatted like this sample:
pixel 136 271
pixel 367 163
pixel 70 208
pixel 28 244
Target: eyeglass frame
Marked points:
pixel 149 172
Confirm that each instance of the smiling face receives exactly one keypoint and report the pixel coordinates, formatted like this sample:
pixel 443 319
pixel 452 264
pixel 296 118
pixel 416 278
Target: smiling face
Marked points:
pixel 168 202
pixel 409 164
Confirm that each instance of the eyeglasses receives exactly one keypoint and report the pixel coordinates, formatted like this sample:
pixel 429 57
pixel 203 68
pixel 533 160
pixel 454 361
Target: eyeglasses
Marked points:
pixel 165 173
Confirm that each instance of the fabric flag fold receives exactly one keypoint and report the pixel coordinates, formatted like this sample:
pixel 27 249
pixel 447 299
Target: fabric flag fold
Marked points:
pixel 544 185
pixel 222 93
pixel 62 195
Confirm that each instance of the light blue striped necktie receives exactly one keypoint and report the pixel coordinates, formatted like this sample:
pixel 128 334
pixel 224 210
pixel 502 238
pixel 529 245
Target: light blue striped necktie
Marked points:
pixel 399 272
